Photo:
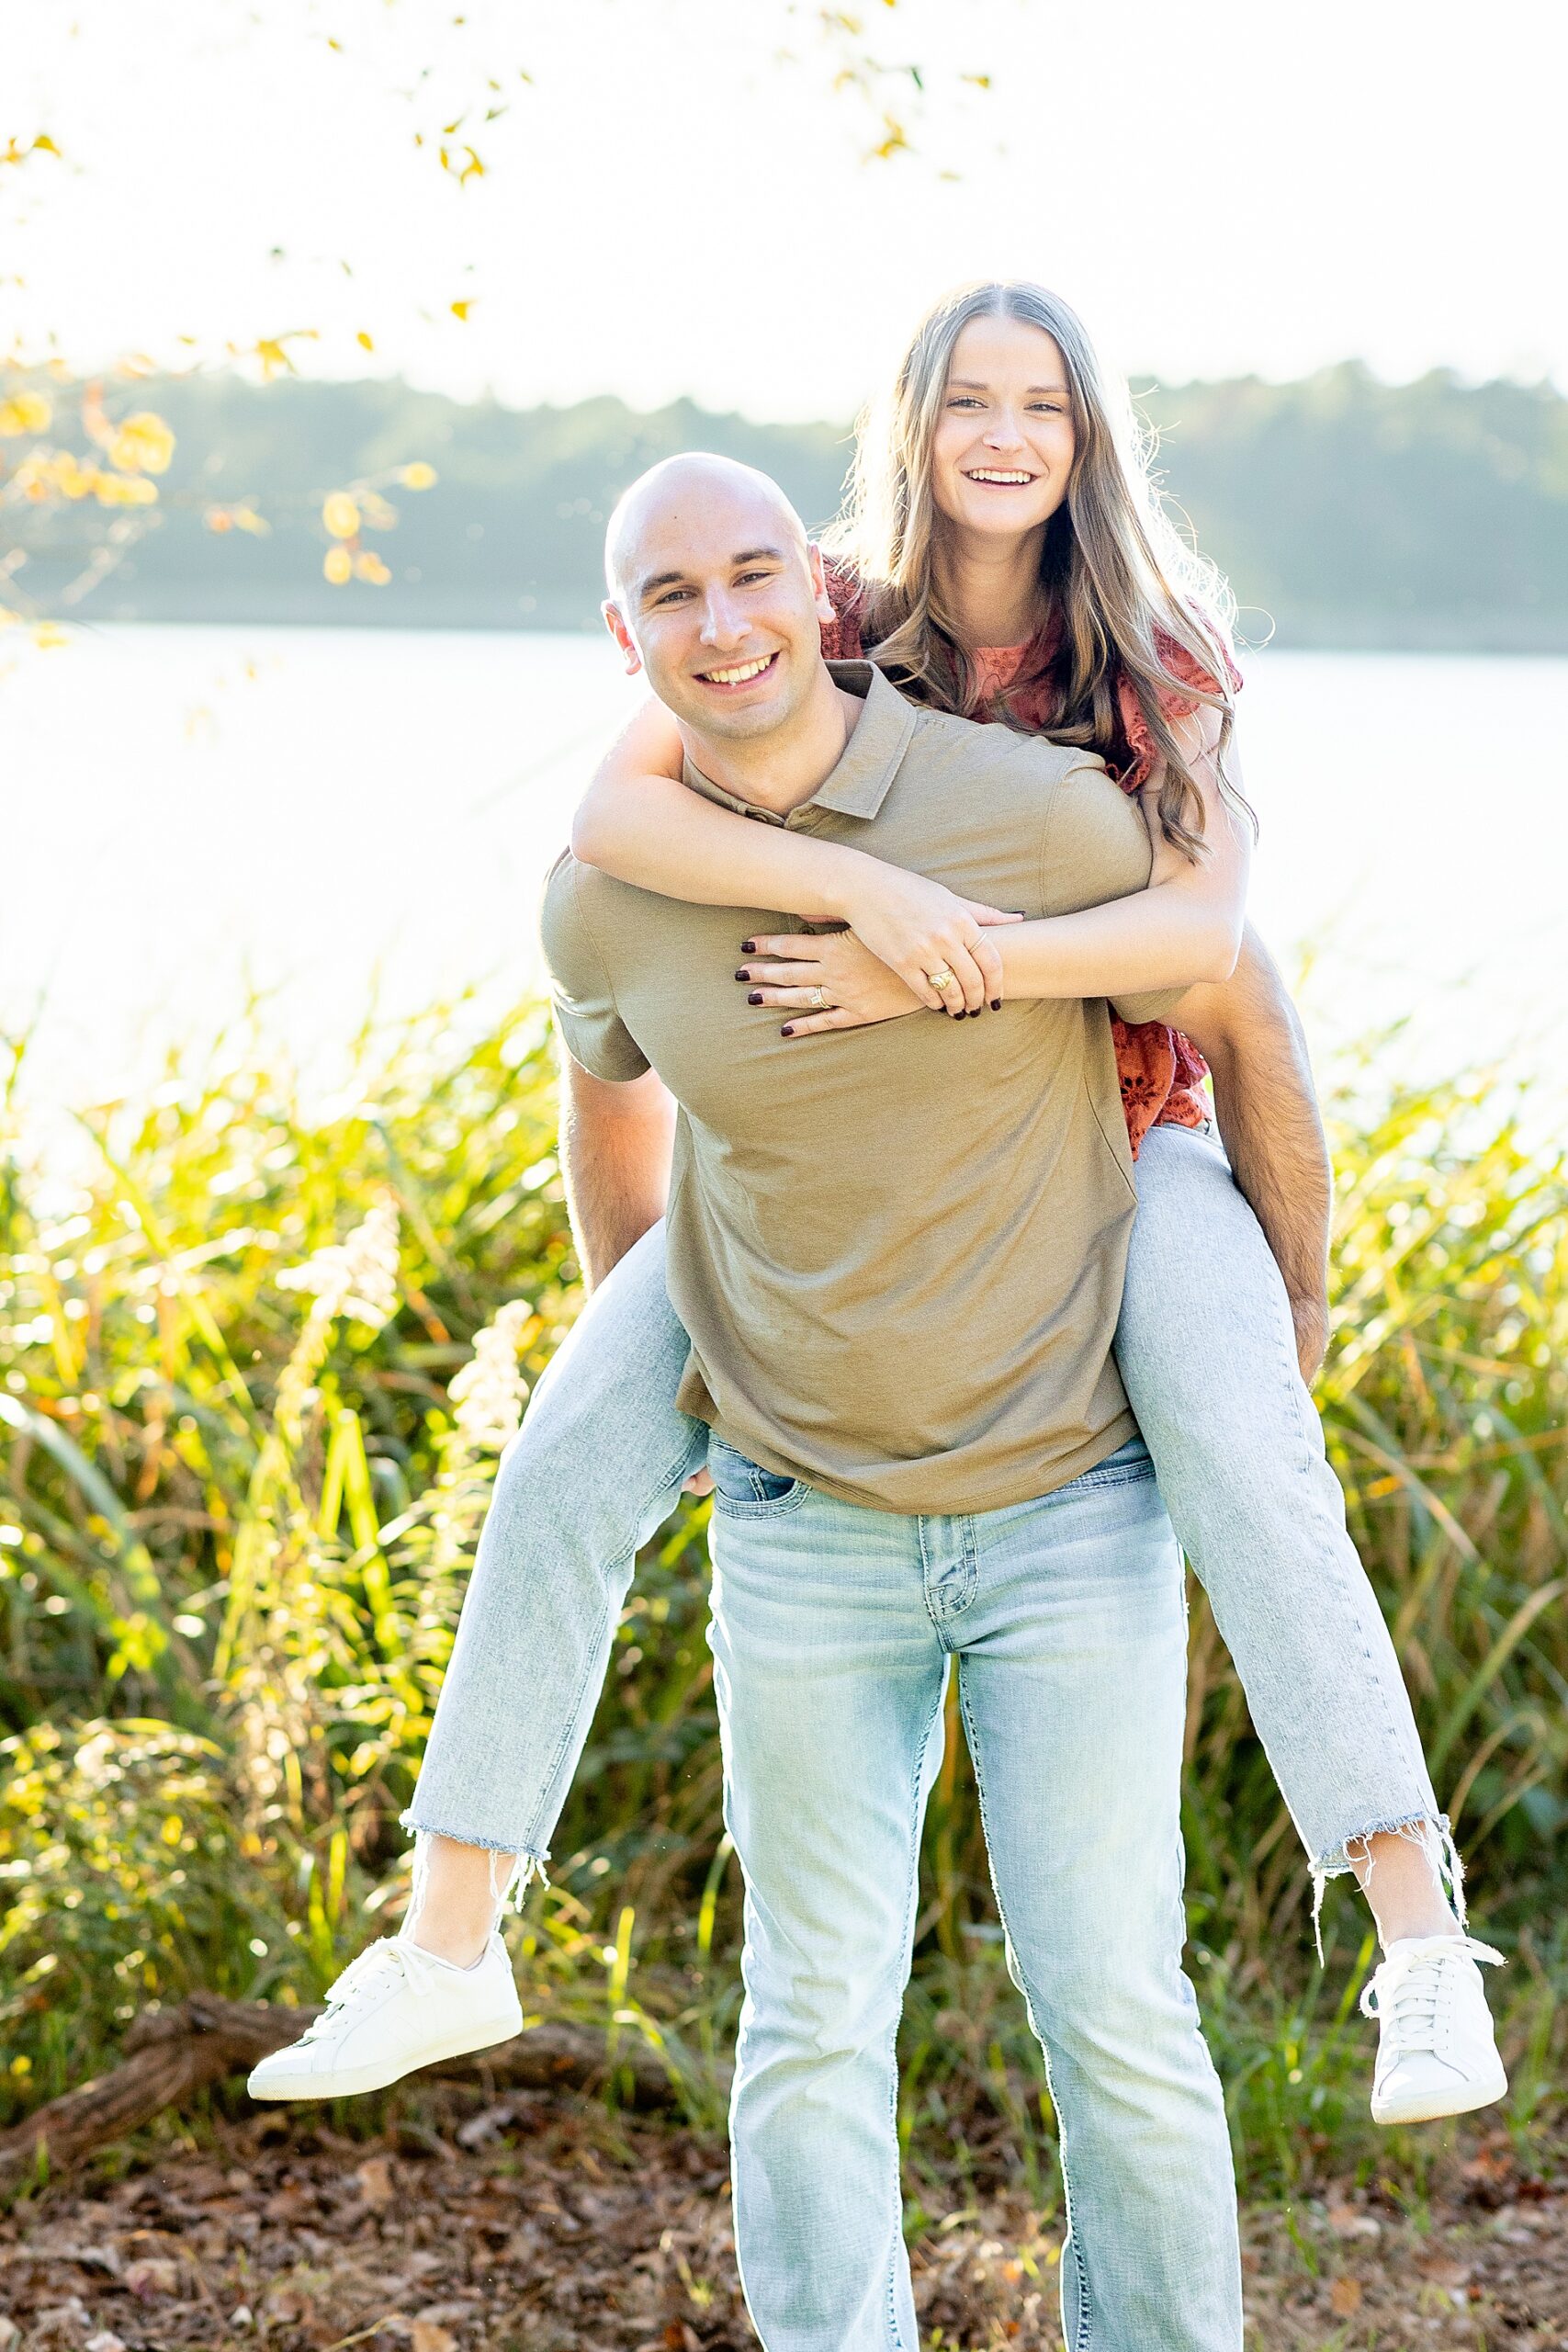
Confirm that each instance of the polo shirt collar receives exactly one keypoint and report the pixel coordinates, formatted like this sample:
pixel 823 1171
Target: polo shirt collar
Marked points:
pixel 858 785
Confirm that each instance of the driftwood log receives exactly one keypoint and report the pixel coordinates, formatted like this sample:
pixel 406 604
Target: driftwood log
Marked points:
pixel 176 2052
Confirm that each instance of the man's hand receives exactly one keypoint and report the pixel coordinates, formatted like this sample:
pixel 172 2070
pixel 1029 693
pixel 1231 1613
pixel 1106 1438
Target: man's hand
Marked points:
pixel 699 1483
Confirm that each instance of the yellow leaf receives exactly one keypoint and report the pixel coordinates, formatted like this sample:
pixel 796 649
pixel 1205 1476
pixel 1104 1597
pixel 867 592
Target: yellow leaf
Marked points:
pixel 49 637
pixel 461 309
pixel 419 476
pixel 124 490
pixel 341 514
pixel 25 413
pixel 247 519
pixel 44 145
pixel 364 340
pixel 142 443
pixel 337 564
pixel 369 566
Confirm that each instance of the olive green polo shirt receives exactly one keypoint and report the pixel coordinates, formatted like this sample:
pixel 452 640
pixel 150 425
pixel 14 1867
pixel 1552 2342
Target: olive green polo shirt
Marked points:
pixel 898 1251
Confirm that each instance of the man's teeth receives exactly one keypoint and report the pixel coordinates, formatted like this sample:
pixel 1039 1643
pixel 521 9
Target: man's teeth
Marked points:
pixel 738 677
pixel 979 473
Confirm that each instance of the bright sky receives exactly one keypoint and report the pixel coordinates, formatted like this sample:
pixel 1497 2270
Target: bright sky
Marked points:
pixel 671 206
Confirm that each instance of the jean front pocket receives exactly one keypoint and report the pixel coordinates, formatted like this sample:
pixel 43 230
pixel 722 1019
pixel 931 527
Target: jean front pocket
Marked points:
pixel 742 1486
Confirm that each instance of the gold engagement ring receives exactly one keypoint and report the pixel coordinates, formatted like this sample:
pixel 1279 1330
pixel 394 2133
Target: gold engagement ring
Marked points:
pixel 819 999
pixel 941 978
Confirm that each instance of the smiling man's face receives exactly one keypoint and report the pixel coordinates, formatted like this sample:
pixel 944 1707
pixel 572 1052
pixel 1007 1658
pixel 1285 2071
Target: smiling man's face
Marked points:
pixel 717 596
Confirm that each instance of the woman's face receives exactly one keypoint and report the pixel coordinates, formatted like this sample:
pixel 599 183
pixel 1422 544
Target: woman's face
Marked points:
pixel 1003 450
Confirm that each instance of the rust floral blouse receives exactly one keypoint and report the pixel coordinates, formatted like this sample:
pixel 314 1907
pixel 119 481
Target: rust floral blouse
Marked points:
pixel 1160 1071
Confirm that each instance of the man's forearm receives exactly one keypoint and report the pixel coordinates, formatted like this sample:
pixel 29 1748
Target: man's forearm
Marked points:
pixel 614 1149
pixel 1247 1031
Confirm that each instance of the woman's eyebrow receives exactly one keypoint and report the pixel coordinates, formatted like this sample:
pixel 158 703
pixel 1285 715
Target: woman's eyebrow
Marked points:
pixel 968 384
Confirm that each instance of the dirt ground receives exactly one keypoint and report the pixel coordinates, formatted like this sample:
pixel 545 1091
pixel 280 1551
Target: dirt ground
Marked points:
pixel 543 2225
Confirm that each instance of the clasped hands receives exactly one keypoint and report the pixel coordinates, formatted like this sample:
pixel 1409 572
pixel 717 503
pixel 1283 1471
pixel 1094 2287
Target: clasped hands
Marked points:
pixel 908 943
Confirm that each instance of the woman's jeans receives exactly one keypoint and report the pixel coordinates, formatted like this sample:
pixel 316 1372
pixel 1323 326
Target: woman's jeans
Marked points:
pixel 833 1627
pixel 1207 1354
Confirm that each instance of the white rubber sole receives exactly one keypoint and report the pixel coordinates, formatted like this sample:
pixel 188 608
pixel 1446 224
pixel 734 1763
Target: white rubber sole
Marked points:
pixel 352 2082
pixel 1461 2101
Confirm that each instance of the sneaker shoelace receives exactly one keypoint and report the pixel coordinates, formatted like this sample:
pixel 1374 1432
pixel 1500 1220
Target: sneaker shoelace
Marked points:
pixel 1404 1993
pixel 375 1965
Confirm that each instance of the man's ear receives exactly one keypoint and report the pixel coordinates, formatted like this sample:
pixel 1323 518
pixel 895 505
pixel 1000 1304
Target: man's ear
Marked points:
pixel 614 621
pixel 825 607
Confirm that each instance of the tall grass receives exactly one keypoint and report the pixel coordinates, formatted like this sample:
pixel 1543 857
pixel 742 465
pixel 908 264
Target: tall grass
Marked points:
pixel 239 1509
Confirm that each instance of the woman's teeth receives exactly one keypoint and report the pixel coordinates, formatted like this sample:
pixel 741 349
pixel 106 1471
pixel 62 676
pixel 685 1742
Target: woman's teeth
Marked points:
pixel 1009 480
pixel 747 670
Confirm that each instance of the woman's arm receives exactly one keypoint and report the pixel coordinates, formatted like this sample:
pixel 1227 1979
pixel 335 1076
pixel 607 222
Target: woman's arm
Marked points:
pixel 1183 931
pixel 1186 928
pixel 638 822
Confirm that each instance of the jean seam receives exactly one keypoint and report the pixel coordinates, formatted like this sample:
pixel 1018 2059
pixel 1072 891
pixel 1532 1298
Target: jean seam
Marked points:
pixel 1083 2333
pixel 619 1561
pixel 895 2339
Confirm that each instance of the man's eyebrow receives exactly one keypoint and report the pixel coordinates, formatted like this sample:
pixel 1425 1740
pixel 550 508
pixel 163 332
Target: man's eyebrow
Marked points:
pixel 671 579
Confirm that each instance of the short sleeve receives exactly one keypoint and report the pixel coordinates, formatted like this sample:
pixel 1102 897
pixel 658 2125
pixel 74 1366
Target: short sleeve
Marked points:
pixel 582 997
pixel 1097 847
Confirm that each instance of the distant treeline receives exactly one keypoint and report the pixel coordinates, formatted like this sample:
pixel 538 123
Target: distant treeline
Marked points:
pixel 1345 512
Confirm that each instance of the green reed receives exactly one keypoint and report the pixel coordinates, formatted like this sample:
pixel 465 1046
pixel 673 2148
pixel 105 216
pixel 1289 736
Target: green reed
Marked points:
pixel 238 1514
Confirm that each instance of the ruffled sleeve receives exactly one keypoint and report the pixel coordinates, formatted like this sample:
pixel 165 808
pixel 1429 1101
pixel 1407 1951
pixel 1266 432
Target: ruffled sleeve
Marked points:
pixel 841 635
pixel 1179 663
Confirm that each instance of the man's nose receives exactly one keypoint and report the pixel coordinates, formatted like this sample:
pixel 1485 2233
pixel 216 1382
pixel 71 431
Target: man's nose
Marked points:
pixel 723 621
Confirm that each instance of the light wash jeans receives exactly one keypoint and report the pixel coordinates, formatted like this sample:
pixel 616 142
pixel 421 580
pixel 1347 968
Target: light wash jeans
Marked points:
pixel 832 1631
pixel 1207 1354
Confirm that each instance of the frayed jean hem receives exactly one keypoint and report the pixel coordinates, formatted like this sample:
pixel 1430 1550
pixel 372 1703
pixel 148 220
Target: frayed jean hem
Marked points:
pixel 1432 1832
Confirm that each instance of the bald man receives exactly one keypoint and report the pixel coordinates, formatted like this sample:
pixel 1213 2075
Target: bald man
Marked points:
pixel 897 1261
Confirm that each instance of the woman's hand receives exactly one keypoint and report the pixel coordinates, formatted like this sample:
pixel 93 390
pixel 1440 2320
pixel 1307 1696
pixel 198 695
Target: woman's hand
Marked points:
pixel 825 981
pixel 916 927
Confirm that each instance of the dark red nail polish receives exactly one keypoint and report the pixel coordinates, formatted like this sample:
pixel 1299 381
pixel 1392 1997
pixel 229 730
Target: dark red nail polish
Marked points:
pixel 748 947
pixel 995 1005
pixel 786 1031
pixel 755 997
pixel 742 975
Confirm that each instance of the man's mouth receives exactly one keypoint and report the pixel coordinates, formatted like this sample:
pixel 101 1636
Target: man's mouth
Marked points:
pixel 736 675
pixel 1000 476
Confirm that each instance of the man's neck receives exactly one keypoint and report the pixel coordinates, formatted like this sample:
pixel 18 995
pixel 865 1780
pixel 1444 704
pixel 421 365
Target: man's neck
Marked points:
pixel 996 586
pixel 781 770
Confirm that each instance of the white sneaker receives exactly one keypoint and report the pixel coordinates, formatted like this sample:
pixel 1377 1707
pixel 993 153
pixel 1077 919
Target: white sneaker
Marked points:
pixel 392 2009
pixel 1437 2052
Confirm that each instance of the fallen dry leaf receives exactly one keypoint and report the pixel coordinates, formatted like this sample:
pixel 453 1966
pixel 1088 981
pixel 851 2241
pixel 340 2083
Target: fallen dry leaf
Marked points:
pixel 375 2180
pixel 155 2274
pixel 428 2336
pixel 1345 2298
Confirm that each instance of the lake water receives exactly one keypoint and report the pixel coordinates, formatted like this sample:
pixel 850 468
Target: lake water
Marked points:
pixel 326 816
